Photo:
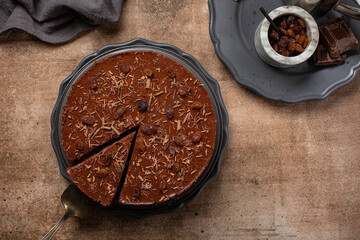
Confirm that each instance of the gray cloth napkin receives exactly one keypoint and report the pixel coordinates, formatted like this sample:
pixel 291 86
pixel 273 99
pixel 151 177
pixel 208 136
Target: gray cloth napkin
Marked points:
pixel 57 21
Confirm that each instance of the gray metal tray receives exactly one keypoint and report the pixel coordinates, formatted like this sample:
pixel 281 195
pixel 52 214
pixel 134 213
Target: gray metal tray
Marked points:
pixel 232 29
pixel 191 64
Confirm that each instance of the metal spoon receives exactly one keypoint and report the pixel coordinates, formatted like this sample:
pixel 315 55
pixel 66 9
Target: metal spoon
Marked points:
pixel 76 204
pixel 318 8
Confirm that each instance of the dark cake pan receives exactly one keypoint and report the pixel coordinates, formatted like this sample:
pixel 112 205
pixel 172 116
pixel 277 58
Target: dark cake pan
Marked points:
pixel 193 66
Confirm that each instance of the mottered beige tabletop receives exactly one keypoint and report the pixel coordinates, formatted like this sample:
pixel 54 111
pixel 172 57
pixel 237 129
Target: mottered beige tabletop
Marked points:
pixel 290 171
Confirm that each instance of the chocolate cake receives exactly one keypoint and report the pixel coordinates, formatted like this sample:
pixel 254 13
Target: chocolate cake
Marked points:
pixel 173 113
pixel 99 175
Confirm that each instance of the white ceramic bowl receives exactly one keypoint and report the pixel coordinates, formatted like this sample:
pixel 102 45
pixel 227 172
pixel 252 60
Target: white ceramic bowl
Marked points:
pixel 268 54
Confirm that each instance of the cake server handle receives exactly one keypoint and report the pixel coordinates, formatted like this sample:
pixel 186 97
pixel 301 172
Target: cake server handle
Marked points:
pixel 56 227
pixel 348 10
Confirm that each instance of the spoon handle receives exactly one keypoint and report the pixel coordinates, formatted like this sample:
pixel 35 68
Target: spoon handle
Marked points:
pixel 348 10
pixel 56 227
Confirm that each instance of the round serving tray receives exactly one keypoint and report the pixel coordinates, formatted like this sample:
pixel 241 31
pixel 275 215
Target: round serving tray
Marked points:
pixel 232 28
pixel 192 65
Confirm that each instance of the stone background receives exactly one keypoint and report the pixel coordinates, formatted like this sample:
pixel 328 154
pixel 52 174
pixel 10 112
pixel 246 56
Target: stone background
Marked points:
pixel 289 172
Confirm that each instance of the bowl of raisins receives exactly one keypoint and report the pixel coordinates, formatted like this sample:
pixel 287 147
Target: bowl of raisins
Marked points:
pixel 294 44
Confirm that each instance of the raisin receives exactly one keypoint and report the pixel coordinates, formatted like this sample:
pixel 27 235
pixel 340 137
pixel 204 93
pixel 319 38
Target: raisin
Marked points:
pixel 180 140
pixel 275 47
pixel 283 31
pixel 171 72
pixel 105 160
pixel 283 42
pixel 273 36
pixel 184 90
pixel 137 192
pixel 143 106
pixel 196 105
pixel 176 167
pixel 196 137
pixel 295 28
pixel 140 146
pixel 301 40
pixel 148 130
pixel 290 20
pixel 93 83
pixel 119 113
pixel 148 72
pixel 284 52
pixel 291 33
pixel 283 23
pixel 101 173
pixel 169 113
pixel 162 186
pixel 125 68
pixel 79 144
pixel 291 45
pixel 86 120
pixel 301 22
pixel 172 151
pixel 299 48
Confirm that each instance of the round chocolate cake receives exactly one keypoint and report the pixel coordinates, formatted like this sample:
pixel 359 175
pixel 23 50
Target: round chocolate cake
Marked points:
pixel 158 101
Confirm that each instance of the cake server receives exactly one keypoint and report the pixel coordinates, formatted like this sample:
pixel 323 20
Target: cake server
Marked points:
pixel 76 204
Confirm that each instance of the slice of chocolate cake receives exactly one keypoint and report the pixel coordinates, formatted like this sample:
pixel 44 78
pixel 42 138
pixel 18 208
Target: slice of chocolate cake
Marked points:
pixel 99 176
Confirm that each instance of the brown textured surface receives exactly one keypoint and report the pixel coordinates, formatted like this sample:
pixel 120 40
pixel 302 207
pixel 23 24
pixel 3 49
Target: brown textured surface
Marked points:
pixel 289 172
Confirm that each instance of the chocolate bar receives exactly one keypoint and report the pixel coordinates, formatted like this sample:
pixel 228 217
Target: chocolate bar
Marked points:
pixel 337 36
pixel 322 57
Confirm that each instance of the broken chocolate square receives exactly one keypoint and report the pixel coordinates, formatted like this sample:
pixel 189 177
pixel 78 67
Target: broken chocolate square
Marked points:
pixel 322 57
pixel 337 36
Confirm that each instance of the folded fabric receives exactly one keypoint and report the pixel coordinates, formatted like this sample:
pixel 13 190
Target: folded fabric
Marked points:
pixel 57 21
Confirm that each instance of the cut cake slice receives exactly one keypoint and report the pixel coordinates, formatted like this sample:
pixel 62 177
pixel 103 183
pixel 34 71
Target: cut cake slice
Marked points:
pixel 99 175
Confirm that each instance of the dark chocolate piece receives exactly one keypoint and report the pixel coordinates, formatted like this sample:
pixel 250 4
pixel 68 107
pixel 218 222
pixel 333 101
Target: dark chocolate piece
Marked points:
pixel 337 36
pixel 323 58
